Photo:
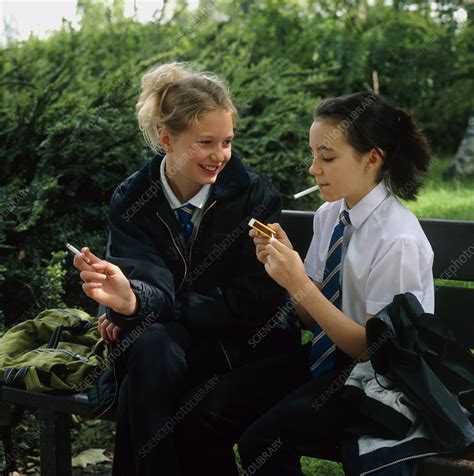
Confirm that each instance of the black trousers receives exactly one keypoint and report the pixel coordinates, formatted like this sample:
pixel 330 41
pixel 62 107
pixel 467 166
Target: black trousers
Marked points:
pixel 271 409
pixel 277 413
pixel 165 363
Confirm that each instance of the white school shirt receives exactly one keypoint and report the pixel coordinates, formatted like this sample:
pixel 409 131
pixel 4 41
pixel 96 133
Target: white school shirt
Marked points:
pixel 385 253
pixel 199 200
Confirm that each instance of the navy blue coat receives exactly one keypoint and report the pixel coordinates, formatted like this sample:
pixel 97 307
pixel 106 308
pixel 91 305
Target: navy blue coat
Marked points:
pixel 216 285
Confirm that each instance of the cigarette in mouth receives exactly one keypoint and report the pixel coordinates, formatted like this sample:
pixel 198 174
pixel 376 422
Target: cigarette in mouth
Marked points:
pixel 305 192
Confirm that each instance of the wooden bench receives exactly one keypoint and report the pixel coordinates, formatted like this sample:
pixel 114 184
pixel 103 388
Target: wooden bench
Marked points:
pixel 453 244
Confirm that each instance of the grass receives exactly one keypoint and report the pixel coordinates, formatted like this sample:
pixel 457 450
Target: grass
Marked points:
pixel 439 198
pixel 310 466
pixel 318 467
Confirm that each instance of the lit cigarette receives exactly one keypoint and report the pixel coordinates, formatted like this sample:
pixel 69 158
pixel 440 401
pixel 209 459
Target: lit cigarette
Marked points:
pixel 74 250
pixel 305 192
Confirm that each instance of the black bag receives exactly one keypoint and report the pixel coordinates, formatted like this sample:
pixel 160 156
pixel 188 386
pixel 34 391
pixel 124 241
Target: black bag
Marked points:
pixel 422 356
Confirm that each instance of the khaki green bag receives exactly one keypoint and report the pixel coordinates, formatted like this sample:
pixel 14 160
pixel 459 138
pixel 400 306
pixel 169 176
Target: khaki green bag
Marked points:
pixel 60 349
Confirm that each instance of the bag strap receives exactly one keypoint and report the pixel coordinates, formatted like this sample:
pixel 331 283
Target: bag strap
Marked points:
pixel 11 376
pixel 79 330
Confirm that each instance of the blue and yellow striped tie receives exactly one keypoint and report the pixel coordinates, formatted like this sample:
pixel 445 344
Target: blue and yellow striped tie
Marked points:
pixel 322 355
pixel 185 214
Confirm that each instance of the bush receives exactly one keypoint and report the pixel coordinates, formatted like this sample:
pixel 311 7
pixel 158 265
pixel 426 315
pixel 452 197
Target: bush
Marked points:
pixel 70 135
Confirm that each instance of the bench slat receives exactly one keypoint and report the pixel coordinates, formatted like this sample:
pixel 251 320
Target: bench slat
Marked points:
pixel 453 245
pixel 299 227
pixel 448 466
pixel 75 403
pixel 452 242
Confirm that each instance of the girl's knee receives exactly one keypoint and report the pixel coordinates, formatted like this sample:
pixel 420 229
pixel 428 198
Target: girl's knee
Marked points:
pixel 254 442
pixel 158 347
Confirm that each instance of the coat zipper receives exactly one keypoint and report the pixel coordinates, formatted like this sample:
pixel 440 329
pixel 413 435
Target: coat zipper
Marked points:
pixel 186 265
pixel 197 231
pixel 179 251
pixel 401 460
pixel 226 355
pixel 115 387
pixel 64 351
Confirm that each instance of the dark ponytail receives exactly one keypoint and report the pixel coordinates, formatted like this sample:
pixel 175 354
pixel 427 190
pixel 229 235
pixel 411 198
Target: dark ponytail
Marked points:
pixel 368 122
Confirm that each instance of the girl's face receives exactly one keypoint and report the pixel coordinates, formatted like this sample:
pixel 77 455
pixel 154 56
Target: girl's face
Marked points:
pixel 196 156
pixel 339 170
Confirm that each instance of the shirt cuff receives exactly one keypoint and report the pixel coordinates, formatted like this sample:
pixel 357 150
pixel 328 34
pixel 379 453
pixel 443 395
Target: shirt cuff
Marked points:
pixel 314 274
pixel 373 307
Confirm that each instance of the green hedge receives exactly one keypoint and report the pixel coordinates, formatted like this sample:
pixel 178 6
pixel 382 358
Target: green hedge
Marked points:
pixel 69 133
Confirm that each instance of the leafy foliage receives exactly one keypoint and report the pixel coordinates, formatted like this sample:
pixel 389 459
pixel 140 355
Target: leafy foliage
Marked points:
pixel 70 135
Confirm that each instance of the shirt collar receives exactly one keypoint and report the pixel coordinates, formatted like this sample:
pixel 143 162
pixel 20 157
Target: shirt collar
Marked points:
pixel 365 207
pixel 198 200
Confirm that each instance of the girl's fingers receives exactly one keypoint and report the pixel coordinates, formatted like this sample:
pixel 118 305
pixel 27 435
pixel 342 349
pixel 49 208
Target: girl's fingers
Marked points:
pixel 100 321
pixel 103 331
pixel 271 250
pixel 90 289
pixel 261 240
pixel 87 287
pixel 89 276
pixel 89 255
pixel 116 333
pixel 268 268
pixel 110 331
pixel 256 234
pixel 79 262
pixel 262 257
pixel 280 233
pixel 106 267
pixel 277 245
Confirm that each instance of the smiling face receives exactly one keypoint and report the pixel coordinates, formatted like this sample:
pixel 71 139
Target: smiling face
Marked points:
pixel 339 170
pixel 196 156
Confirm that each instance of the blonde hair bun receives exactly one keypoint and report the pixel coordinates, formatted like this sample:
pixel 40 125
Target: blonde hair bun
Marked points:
pixel 174 96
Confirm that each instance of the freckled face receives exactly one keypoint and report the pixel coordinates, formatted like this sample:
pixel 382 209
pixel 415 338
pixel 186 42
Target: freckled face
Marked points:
pixel 338 169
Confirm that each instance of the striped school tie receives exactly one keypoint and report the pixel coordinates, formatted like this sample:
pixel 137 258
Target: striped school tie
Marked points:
pixel 185 214
pixel 322 355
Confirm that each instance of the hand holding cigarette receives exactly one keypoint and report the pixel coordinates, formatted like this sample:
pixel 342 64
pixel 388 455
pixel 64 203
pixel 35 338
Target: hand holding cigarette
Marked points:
pixel 105 283
pixel 76 252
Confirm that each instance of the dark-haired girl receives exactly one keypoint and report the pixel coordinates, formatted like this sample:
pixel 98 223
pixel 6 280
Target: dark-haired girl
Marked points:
pixel 367 247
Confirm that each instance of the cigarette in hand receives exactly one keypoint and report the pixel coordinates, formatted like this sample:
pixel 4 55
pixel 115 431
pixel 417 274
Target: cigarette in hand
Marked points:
pixel 74 250
pixel 305 192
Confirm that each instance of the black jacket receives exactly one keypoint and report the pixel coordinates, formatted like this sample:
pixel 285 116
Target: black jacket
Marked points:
pixel 415 362
pixel 431 368
pixel 217 286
